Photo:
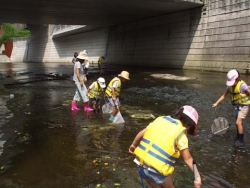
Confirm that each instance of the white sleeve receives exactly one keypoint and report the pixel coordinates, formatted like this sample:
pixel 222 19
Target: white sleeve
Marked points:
pixel 78 65
pixel 92 86
pixel 115 84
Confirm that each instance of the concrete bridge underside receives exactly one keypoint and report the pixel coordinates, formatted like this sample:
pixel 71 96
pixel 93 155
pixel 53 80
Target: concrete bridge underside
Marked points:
pixel 88 12
pixel 158 33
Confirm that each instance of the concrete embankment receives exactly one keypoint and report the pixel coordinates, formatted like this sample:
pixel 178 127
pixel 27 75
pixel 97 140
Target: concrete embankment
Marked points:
pixel 4 59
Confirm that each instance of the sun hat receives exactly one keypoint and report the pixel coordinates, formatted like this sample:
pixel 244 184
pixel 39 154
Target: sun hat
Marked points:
pixel 101 81
pixel 124 74
pixel 83 55
pixel 191 112
pixel 232 75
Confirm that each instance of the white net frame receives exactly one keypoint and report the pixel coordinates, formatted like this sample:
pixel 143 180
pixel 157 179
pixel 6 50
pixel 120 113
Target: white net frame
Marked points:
pixel 219 126
pixel 107 108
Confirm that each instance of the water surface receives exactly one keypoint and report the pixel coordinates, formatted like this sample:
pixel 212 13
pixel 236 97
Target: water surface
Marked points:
pixel 48 145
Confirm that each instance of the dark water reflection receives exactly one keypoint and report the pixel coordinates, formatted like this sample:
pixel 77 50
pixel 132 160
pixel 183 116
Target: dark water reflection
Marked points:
pixel 51 146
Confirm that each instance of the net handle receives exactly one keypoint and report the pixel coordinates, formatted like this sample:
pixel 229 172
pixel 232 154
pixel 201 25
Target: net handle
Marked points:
pixel 215 113
pixel 195 170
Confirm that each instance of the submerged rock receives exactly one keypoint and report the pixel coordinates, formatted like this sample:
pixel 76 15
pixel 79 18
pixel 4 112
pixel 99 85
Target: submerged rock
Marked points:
pixel 138 113
pixel 171 77
pixel 142 116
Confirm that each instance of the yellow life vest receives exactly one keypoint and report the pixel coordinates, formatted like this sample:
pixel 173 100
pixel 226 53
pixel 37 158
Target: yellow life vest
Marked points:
pixel 157 148
pixel 117 90
pixel 236 96
pixel 100 60
pixel 95 92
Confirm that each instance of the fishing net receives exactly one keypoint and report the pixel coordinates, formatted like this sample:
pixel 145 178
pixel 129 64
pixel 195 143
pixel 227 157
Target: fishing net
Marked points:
pixel 220 126
pixel 118 118
pixel 107 108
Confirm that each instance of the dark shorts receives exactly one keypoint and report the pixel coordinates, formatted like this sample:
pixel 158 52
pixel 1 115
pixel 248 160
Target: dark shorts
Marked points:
pixel 95 100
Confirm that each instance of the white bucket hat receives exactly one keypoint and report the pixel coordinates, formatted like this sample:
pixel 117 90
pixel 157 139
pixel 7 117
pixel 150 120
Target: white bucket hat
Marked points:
pixel 124 74
pixel 83 55
pixel 101 82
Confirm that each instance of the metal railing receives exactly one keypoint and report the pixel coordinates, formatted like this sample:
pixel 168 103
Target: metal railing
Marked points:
pixel 20 39
pixel 65 28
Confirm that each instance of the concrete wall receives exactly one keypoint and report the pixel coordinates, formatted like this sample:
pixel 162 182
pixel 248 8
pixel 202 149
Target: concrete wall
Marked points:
pixel 215 37
pixel 45 49
pixel 20 50
pixel 163 41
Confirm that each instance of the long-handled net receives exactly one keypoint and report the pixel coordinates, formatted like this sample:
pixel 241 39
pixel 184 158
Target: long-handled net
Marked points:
pixel 220 125
pixel 107 108
pixel 118 118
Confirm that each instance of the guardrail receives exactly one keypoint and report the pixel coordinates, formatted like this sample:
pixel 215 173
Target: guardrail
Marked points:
pixel 20 39
pixel 64 28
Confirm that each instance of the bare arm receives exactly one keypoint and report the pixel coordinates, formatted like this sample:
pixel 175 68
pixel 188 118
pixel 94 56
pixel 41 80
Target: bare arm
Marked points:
pixel 88 91
pixel 248 92
pixel 103 92
pixel 136 141
pixel 220 99
pixel 113 94
pixel 114 97
pixel 188 159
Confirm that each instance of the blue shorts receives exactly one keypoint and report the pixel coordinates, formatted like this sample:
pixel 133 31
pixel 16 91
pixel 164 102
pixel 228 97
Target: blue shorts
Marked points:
pixel 146 173
pixel 95 100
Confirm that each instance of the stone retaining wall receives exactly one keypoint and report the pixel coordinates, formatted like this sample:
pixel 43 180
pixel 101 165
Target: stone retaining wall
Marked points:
pixel 214 37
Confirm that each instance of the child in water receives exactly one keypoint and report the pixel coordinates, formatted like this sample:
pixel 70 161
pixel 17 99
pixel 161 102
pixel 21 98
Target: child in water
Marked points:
pixel 157 149
pixel 74 58
pixel 239 94
pixel 95 91
pixel 80 94
pixel 113 92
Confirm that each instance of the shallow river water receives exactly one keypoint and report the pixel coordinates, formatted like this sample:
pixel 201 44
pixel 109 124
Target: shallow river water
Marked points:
pixel 45 144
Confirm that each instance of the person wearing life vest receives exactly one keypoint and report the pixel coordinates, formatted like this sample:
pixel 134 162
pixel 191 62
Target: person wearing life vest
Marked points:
pixel 95 92
pixel 160 144
pixel 113 92
pixel 100 63
pixel 239 93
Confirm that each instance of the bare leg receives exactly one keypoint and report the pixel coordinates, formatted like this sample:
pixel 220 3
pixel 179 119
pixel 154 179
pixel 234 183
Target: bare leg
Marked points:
pixel 239 125
pixel 168 183
pixel 94 106
pixel 99 105
pixel 153 184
